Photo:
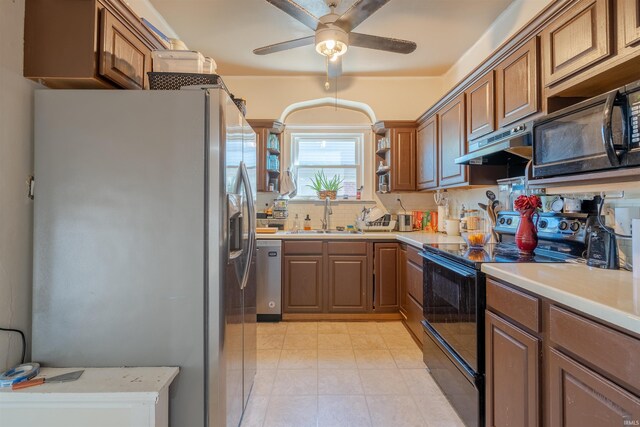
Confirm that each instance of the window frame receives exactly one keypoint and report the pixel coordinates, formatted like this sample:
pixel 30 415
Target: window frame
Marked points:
pixel 357 137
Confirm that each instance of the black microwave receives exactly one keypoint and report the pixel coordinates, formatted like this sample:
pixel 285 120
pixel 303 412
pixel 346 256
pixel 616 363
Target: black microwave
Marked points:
pixel 598 134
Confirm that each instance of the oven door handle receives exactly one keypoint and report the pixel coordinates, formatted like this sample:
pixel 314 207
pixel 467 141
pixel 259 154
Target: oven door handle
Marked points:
pixel 607 129
pixel 467 274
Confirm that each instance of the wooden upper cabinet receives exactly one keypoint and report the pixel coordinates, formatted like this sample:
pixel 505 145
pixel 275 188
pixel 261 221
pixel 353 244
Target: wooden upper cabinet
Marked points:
pixel 427 148
pixel 628 23
pixel 403 159
pixel 577 39
pixel 86 44
pixel 517 88
pixel 124 59
pixel 481 107
pixel 452 142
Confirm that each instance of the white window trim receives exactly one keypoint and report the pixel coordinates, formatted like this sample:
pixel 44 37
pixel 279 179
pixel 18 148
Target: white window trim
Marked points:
pixel 359 138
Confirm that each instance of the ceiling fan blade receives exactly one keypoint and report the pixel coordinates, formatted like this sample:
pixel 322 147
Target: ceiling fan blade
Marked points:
pixel 358 12
pixel 335 68
pixel 279 47
pixel 297 12
pixel 381 43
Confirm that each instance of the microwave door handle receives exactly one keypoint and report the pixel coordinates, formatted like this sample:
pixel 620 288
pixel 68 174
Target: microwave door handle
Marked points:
pixel 246 182
pixel 607 129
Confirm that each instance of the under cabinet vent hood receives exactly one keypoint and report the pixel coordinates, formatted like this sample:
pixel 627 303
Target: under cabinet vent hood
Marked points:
pixel 500 147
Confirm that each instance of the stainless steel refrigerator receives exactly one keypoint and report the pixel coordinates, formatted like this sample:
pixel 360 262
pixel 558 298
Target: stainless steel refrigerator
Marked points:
pixel 145 241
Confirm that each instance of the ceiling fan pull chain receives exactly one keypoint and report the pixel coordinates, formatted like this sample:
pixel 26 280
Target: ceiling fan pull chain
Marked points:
pixel 327 86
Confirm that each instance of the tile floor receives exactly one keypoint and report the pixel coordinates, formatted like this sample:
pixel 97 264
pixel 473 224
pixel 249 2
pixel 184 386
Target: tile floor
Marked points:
pixel 343 374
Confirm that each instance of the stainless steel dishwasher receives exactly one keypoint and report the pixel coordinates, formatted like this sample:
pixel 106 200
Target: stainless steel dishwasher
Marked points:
pixel 269 269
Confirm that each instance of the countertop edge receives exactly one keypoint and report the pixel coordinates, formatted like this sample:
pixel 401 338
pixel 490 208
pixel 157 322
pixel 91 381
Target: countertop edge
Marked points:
pixel 415 239
pixel 591 308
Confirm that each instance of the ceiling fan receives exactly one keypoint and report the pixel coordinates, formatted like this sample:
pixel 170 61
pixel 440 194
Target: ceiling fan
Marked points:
pixel 334 33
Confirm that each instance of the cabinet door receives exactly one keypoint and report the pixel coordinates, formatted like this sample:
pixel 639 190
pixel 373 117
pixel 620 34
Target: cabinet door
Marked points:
pixel 579 397
pixel 481 107
pixel 386 295
pixel 262 134
pixel 303 282
pixel 403 266
pixel 517 84
pixel 347 284
pixel 427 145
pixel 403 156
pixel 577 39
pixel 452 142
pixel 628 22
pixel 124 59
pixel 513 359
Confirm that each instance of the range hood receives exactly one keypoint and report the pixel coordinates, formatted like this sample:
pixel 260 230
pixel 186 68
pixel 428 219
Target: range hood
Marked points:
pixel 500 147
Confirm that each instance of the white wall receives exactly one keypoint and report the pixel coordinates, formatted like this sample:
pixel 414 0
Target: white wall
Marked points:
pixel 16 163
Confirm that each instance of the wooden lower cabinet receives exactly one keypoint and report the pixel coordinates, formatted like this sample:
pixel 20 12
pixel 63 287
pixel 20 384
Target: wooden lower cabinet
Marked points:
pixel 580 397
pixel 512 374
pixel 303 283
pixel 410 287
pixel 402 280
pixel 386 296
pixel 347 283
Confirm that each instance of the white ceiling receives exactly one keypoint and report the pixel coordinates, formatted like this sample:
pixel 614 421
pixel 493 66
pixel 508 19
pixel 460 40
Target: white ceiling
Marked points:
pixel 229 30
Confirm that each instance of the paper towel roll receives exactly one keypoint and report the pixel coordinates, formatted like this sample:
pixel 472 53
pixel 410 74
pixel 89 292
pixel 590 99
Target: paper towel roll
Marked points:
pixel 442 216
pixel 635 246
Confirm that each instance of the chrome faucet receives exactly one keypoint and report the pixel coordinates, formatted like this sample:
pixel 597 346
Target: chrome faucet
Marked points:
pixel 326 221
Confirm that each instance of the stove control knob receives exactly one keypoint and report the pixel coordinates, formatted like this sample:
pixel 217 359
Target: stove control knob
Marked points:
pixel 563 225
pixel 509 221
pixel 543 223
pixel 502 221
pixel 575 226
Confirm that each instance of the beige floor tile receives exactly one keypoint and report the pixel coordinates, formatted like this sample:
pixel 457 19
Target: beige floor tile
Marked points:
pixel 437 411
pixel 336 359
pixel 392 328
pixel 383 381
pixel 357 328
pixel 368 342
pixel 408 358
pixel 420 382
pixel 394 411
pixel 292 411
pixel 263 382
pixel 298 359
pixel 295 382
pixel 300 341
pixel 271 328
pixel 339 381
pixel 334 341
pixel 270 342
pixel 332 328
pixel 302 327
pixel 268 359
pixel 374 359
pixel 255 412
pixel 343 411
pixel 400 341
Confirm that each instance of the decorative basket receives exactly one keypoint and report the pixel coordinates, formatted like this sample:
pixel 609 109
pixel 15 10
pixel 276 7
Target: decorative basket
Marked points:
pixel 322 195
pixel 175 81
pixel 332 194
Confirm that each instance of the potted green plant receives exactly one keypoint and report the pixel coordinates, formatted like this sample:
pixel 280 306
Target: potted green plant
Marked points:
pixel 332 186
pixel 318 184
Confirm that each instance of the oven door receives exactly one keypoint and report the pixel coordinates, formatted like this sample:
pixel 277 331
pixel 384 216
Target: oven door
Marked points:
pixel 589 136
pixel 452 306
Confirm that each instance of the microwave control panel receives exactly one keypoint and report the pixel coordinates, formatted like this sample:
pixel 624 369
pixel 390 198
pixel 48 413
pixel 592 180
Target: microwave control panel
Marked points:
pixel 634 105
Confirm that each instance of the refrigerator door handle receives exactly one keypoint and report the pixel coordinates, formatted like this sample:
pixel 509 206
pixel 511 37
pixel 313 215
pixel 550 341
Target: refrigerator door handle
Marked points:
pixel 251 223
pixel 234 212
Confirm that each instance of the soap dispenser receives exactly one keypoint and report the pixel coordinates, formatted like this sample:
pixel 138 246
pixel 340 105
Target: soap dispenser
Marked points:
pixel 307 223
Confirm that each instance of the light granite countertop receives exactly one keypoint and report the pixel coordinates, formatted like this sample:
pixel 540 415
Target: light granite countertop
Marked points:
pixel 415 238
pixel 609 295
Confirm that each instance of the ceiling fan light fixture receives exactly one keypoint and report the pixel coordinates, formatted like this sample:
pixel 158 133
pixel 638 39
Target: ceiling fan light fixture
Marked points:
pixel 332 42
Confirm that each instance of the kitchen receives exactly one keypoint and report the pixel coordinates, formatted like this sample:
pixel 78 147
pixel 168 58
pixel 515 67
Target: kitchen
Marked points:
pixel 379 313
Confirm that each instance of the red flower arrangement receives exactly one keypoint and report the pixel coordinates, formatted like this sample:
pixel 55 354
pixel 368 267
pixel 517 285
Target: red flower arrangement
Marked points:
pixel 524 203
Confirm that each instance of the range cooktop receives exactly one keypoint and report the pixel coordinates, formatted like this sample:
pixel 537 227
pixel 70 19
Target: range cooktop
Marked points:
pixel 493 252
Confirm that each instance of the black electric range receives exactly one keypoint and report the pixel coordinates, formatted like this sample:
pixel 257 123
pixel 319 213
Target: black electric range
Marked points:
pixel 454 301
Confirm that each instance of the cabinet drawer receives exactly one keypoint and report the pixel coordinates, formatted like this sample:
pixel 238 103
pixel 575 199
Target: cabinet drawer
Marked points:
pixel 413 255
pixel 414 317
pixel 612 352
pixel 303 247
pixel 347 248
pixel 518 306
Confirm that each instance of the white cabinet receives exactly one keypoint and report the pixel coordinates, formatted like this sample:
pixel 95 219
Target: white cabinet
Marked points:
pixel 101 397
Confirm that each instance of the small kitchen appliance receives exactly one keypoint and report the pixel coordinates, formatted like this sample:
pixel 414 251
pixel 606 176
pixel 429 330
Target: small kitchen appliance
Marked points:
pixel 405 220
pixel 602 249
